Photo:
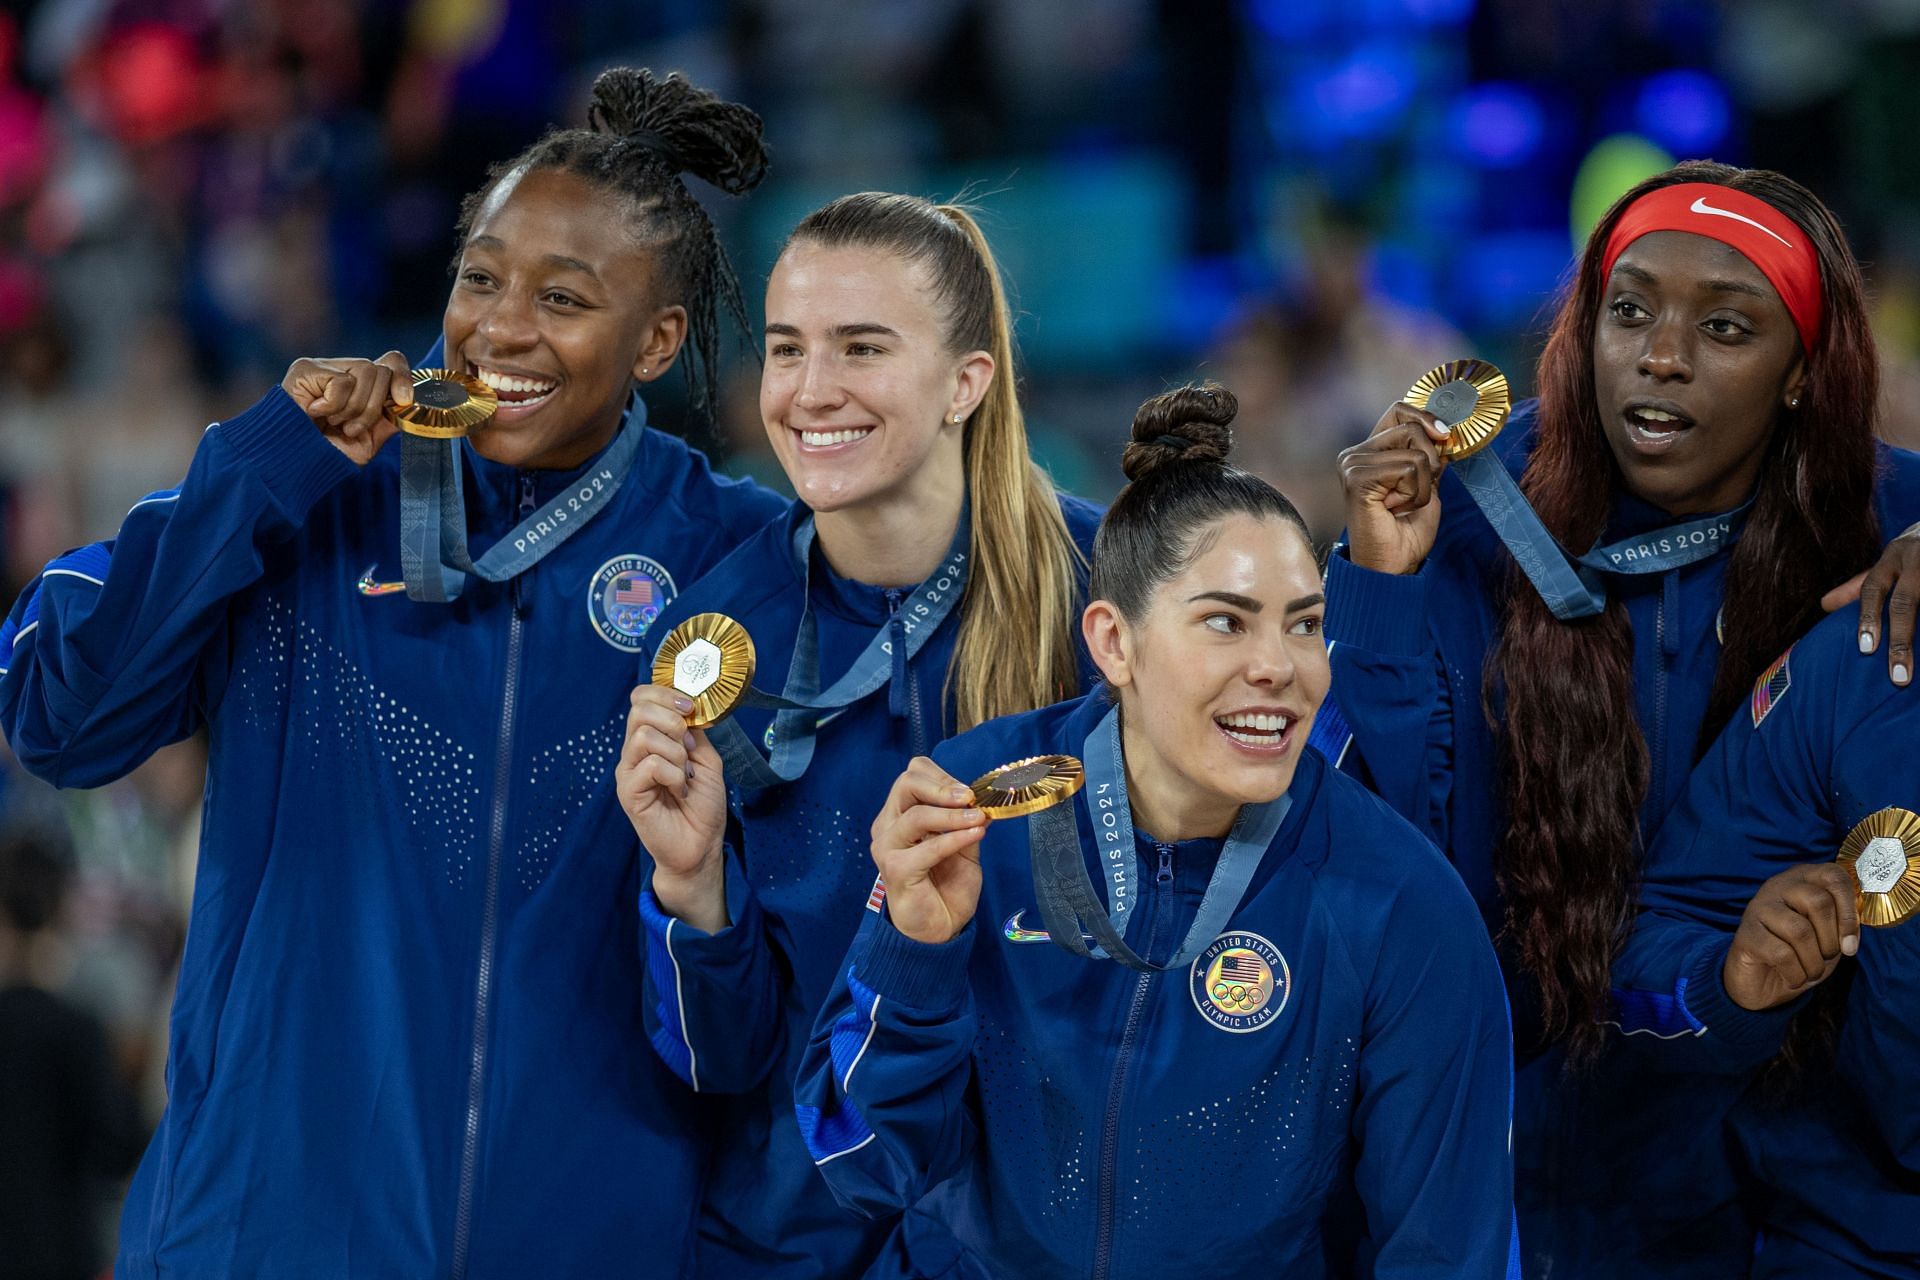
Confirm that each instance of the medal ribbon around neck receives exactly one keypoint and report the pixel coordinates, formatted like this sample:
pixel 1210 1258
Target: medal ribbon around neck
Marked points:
pixel 1071 905
pixel 433 513
pixel 799 703
pixel 1471 397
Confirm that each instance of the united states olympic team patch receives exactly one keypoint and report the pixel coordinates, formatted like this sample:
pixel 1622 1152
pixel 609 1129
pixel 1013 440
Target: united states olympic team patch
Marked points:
pixel 627 593
pixel 1240 982
pixel 1771 687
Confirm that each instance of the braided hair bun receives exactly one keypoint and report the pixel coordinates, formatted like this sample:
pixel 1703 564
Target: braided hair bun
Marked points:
pixel 690 129
pixel 1186 425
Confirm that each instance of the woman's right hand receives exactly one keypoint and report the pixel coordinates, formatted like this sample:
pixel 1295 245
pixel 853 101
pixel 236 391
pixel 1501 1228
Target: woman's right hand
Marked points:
pixel 926 843
pixel 347 399
pixel 1792 935
pixel 1391 479
pixel 673 789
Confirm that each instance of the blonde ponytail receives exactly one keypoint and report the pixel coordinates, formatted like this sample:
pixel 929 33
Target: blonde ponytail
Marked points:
pixel 1017 620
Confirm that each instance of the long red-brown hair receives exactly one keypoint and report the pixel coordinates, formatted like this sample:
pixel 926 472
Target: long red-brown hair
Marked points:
pixel 1575 761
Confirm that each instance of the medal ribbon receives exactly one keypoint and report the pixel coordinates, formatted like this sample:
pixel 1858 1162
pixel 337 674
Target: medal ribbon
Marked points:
pixel 800 701
pixel 433 513
pixel 1573 587
pixel 1068 901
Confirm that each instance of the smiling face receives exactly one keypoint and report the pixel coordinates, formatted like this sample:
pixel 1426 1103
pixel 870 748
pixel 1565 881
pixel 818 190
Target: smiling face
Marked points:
pixel 1220 678
pixel 1694 359
pixel 553 307
pixel 860 389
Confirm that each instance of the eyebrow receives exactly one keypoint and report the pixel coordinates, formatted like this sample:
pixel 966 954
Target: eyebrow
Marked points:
pixel 1251 605
pixel 858 329
pixel 1712 286
pixel 557 259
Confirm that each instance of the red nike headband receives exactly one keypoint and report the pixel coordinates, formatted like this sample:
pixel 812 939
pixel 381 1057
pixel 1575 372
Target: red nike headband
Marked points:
pixel 1767 238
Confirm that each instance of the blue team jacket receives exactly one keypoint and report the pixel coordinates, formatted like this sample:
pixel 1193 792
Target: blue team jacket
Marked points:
pixel 1066 1117
pixel 1825 742
pixel 1603 1187
pixel 730 1012
pixel 406 1037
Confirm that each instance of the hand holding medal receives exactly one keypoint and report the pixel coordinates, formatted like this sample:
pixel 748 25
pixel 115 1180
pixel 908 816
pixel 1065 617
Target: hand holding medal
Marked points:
pixel 670 780
pixel 353 402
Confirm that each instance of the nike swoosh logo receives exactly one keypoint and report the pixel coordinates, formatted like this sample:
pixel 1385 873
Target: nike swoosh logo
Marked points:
pixel 368 587
pixel 1016 932
pixel 1700 205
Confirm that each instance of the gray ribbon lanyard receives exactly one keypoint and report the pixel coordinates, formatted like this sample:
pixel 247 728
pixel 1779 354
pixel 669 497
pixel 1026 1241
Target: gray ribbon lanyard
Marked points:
pixel 1068 901
pixel 433 513
pixel 799 705
pixel 1572 586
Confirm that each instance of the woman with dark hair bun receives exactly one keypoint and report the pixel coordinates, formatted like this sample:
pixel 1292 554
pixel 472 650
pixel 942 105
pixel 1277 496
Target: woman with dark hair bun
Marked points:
pixel 1278 1047
pixel 404 1038
pixel 1710 364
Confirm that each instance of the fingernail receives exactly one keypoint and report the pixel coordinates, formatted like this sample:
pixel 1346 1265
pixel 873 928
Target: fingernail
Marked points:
pixel 689 771
pixel 1866 642
pixel 1899 673
pixel 682 704
pixel 971 815
pixel 686 739
pixel 960 793
pixel 1445 428
pixel 1849 945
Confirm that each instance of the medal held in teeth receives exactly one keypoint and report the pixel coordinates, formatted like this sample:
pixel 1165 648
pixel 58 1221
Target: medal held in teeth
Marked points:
pixel 1470 396
pixel 1883 854
pixel 1028 786
pixel 446 404
pixel 709 659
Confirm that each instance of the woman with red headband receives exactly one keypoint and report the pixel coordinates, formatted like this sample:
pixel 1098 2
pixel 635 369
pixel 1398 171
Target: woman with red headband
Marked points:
pixel 1706 421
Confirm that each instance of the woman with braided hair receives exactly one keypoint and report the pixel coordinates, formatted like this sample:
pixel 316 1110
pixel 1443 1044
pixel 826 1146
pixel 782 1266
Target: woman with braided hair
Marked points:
pixel 404 1037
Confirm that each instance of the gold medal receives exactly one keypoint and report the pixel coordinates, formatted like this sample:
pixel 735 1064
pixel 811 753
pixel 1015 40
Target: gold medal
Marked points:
pixel 708 658
pixel 446 403
pixel 1472 397
pixel 1027 786
pixel 1883 853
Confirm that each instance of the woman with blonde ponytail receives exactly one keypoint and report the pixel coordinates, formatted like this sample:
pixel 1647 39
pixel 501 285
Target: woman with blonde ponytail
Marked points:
pixel 928 578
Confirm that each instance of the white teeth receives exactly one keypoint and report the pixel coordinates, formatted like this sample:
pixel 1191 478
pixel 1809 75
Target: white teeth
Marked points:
pixel 513 385
pixel 1654 415
pixel 819 438
pixel 1267 726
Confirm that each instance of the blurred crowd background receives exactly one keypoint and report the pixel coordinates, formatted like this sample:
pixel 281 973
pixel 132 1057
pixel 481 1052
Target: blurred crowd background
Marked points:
pixel 1310 200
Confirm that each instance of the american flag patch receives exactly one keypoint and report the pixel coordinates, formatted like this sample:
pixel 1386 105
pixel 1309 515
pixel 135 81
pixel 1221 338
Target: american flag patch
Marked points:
pixel 1771 687
pixel 633 588
pixel 1241 966
pixel 878 896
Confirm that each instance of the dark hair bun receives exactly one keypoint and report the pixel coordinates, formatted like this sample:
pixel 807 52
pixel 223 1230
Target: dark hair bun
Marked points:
pixel 1187 425
pixel 691 129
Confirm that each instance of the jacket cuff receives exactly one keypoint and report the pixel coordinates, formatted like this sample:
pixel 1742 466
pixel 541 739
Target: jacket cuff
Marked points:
pixel 1378 612
pixel 286 448
pixel 743 916
pixel 920 975
pixel 1753 1036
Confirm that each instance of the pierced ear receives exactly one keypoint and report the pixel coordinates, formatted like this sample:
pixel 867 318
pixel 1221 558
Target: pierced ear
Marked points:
pixel 664 338
pixel 1795 392
pixel 975 376
pixel 1109 642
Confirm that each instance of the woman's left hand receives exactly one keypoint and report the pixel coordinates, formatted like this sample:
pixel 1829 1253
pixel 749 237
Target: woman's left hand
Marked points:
pixel 1893 585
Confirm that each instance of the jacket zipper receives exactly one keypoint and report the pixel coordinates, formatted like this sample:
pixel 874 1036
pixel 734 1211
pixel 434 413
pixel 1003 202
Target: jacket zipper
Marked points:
pixel 1657 789
pixel 1122 1063
pixel 906 690
pixel 490 913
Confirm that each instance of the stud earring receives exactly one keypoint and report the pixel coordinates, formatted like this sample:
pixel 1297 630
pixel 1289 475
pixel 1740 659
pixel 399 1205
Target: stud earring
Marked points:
pixel 1794 403
pixel 956 418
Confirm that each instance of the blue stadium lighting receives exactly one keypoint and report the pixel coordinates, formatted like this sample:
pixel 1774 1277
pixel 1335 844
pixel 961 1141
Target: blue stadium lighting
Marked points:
pixel 1362 96
pixel 1685 111
pixel 1498 126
